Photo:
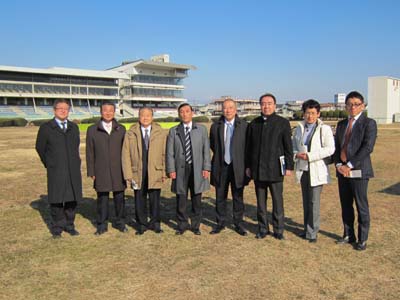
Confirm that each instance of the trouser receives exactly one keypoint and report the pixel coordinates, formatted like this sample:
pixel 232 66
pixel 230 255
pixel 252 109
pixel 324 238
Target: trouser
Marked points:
pixel 63 216
pixel 311 204
pixel 350 190
pixel 141 207
pixel 276 190
pixel 228 177
pixel 102 210
pixel 181 199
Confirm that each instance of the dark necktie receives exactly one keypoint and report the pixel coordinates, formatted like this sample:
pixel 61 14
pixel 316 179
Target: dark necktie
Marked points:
pixel 188 146
pixel 64 128
pixel 347 135
pixel 146 138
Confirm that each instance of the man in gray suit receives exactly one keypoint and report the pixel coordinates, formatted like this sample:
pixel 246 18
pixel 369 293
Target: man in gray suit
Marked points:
pixel 354 141
pixel 188 164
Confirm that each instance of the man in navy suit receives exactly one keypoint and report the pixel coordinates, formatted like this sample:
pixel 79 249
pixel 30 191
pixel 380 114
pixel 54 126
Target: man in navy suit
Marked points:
pixel 354 141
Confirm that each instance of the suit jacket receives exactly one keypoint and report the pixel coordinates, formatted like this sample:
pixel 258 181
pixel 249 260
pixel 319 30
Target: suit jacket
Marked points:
pixel 361 144
pixel 238 148
pixel 132 154
pixel 59 153
pixel 267 140
pixel 103 156
pixel 175 161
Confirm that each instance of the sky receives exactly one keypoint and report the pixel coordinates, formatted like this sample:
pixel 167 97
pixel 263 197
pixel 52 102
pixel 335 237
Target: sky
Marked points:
pixel 296 50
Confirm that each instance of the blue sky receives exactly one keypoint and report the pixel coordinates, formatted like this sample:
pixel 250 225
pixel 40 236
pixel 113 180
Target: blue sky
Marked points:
pixel 294 49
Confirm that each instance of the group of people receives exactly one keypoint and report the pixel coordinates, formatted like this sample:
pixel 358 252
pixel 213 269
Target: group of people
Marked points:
pixel 263 150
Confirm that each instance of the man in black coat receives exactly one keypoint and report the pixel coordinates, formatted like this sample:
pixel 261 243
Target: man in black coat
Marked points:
pixel 269 157
pixel 57 144
pixel 103 160
pixel 354 141
pixel 228 143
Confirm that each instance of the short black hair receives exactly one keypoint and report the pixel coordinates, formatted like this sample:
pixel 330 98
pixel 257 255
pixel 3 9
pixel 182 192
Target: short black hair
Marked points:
pixel 267 95
pixel 60 101
pixel 354 94
pixel 184 104
pixel 311 103
pixel 106 103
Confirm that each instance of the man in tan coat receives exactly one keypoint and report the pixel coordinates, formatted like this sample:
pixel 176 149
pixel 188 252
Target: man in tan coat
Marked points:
pixel 143 165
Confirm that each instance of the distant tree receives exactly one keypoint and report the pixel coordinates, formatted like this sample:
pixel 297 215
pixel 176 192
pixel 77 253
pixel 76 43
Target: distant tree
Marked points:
pixel 336 114
pixel 331 114
pixel 298 115
pixel 324 115
pixel 343 114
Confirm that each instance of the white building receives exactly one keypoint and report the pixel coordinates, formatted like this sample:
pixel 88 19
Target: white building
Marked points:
pixel 383 99
pixel 340 98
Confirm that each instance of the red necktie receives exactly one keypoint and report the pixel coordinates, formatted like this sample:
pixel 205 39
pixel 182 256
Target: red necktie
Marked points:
pixel 343 153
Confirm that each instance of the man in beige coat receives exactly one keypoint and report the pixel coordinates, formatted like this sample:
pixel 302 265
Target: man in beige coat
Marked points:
pixel 143 165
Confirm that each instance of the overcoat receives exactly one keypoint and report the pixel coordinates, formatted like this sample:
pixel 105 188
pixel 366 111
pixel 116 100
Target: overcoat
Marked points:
pixel 103 156
pixel 267 140
pixel 238 150
pixel 132 151
pixel 175 161
pixel 59 153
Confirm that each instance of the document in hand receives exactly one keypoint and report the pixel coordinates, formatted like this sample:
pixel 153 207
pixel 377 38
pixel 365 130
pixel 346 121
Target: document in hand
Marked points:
pixel 283 165
pixel 355 174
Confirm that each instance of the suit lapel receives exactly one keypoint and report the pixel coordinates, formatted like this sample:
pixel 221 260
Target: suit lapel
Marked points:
pixel 221 127
pixel 180 131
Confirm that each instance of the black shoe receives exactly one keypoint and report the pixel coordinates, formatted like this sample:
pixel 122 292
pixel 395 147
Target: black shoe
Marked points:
pixel 158 230
pixel 100 232
pixel 139 232
pixel 123 229
pixel 261 234
pixel 312 240
pixel 346 240
pixel 217 229
pixel 197 231
pixel 240 230
pixel 303 235
pixel 361 246
pixel 179 232
pixel 56 236
pixel 279 236
pixel 72 232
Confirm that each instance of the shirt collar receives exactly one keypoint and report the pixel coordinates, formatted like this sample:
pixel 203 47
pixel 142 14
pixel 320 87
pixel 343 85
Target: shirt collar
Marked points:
pixel 59 122
pixel 188 125
pixel 232 122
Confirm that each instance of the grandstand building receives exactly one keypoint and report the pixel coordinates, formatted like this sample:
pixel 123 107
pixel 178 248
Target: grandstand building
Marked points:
pixel 31 92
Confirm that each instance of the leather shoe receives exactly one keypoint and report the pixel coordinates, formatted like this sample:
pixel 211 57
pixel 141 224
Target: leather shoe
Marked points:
pixel 361 246
pixel 73 232
pixel 217 229
pixel 261 235
pixel 312 240
pixel 123 230
pixel 100 232
pixel 158 230
pixel 56 236
pixel 303 235
pixel 346 240
pixel 197 231
pixel 139 232
pixel 279 236
pixel 179 232
pixel 240 230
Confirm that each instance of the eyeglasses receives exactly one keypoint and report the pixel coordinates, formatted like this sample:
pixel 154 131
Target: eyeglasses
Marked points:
pixel 350 105
pixel 267 103
pixel 62 108
pixel 310 114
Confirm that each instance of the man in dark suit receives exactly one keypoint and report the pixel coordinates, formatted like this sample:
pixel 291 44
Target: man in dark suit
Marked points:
pixel 269 157
pixel 354 141
pixel 188 164
pixel 57 144
pixel 103 161
pixel 228 143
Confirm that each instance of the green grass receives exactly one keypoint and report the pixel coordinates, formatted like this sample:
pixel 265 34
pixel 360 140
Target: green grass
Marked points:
pixel 165 125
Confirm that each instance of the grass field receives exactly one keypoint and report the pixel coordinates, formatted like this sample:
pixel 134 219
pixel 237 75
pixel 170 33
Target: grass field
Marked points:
pixel 226 266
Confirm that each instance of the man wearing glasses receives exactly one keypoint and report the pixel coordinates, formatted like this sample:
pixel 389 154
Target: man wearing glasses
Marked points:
pixel 57 144
pixel 354 142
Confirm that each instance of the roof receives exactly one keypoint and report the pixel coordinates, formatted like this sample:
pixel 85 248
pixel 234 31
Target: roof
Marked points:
pixel 66 71
pixel 149 63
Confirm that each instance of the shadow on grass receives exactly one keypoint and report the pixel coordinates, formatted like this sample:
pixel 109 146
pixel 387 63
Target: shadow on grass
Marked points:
pixel 87 209
pixel 392 190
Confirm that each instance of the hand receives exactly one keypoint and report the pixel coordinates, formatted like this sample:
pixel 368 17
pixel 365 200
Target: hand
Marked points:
pixel 288 173
pixel 172 175
pixel 93 177
pixel 248 172
pixel 163 179
pixel 302 156
pixel 344 170
pixel 128 181
pixel 206 174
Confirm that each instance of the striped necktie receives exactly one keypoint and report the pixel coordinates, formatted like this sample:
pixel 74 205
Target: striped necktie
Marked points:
pixel 188 146
pixel 347 135
pixel 146 138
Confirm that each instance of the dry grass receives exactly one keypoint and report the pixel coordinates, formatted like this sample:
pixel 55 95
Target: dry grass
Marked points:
pixel 227 266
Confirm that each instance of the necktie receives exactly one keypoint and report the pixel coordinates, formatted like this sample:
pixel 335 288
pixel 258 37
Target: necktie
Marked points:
pixel 64 128
pixel 228 138
pixel 188 146
pixel 146 138
pixel 347 135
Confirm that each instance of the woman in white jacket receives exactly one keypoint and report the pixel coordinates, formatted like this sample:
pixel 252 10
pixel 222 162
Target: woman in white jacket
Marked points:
pixel 312 142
